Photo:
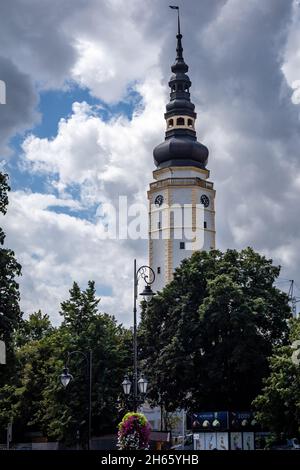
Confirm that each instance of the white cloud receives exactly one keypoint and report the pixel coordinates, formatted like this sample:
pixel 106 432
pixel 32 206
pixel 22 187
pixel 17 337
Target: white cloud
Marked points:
pixel 55 249
pixel 244 65
pixel 107 75
pixel 49 44
pixel 296 94
pixel 106 158
pixel 291 63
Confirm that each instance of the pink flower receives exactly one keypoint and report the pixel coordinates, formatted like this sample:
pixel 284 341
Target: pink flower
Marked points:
pixel 134 432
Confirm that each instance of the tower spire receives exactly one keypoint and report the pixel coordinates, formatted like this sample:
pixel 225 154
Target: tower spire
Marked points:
pixel 179 48
pixel 175 7
pixel 180 146
pixel 181 178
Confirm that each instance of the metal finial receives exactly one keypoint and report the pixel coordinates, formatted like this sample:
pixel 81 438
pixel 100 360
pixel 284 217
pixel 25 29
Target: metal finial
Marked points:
pixel 174 7
pixel 179 48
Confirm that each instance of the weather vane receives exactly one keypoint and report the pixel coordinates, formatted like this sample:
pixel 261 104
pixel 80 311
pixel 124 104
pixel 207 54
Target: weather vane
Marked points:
pixel 174 7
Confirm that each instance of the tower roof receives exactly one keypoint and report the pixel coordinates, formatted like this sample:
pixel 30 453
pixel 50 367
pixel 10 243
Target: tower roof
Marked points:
pixel 180 147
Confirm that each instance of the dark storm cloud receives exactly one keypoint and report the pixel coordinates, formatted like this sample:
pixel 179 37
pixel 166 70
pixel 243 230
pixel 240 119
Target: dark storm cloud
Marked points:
pixel 32 35
pixel 35 54
pixel 21 99
pixel 235 50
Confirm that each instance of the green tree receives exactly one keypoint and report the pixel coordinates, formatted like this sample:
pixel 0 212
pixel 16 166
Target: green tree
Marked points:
pixel 35 398
pixel 4 190
pixel 108 341
pixel 22 397
pixel 206 337
pixel 36 327
pixel 10 269
pixel 80 308
pixel 278 405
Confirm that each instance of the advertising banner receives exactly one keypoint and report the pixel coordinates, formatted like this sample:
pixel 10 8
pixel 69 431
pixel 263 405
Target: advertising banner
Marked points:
pixel 236 442
pixel 222 441
pixel 215 420
pixel 210 441
pixel 248 440
pixel 242 420
pixel 199 442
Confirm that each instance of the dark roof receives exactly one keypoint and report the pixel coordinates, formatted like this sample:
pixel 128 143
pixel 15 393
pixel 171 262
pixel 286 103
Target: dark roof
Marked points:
pixel 180 151
pixel 180 146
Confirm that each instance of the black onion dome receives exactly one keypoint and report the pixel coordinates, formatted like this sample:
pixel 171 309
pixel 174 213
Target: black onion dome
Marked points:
pixel 180 147
pixel 180 151
pixel 180 106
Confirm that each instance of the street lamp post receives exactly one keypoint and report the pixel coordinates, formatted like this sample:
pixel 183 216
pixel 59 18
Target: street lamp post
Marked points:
pixel 139 398
pixel 66 378
pixel 147 274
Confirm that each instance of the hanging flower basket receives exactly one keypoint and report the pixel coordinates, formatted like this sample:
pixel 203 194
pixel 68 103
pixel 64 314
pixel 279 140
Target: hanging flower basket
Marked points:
pixel 134 432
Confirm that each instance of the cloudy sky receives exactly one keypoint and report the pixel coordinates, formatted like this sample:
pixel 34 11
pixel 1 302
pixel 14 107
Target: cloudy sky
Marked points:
pixel 86 89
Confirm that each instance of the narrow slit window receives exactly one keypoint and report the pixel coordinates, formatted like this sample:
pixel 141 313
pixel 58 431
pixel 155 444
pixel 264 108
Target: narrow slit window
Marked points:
pixel 158 270
pixel 205 224
pixel 182 245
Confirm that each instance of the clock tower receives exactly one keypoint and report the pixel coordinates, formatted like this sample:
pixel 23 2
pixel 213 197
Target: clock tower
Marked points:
pixel 181 197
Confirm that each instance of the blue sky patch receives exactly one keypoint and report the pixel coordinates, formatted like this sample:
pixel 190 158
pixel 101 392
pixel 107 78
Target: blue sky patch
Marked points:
pixel 53 106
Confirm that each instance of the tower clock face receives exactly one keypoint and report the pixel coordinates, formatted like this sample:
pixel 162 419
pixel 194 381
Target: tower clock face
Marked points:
pixel 204 200
pixel 159 200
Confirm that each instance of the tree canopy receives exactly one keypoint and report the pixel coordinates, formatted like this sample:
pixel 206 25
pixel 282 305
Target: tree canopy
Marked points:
pixel 278 405
pixel 35 399
pixel 205 343
pixel 206 337
pixel 10 269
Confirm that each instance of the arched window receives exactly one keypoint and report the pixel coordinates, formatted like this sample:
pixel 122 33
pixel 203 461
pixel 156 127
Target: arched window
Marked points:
pixel 180 121
pixel 171 123
pixel 173 88
pixel 190 122
pixel 179 87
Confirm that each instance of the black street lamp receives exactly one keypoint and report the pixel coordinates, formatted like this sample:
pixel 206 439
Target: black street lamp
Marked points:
pixel 147 274
pixel 143 385
pixel 66 377
pixel 139 398
pixel 126 384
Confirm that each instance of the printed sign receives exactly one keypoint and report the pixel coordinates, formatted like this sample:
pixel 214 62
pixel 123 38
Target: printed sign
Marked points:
pixel 241 420
pixel 248 440
pixel 222 441
pixel 210 441
pixel 215 420
pixel 236 442
pixel 199 442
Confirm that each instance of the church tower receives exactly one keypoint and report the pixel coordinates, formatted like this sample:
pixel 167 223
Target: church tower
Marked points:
pixel 181 197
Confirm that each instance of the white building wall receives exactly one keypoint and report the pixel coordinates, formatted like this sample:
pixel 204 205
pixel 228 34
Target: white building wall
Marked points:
pixel 165 254
pixel 180 172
